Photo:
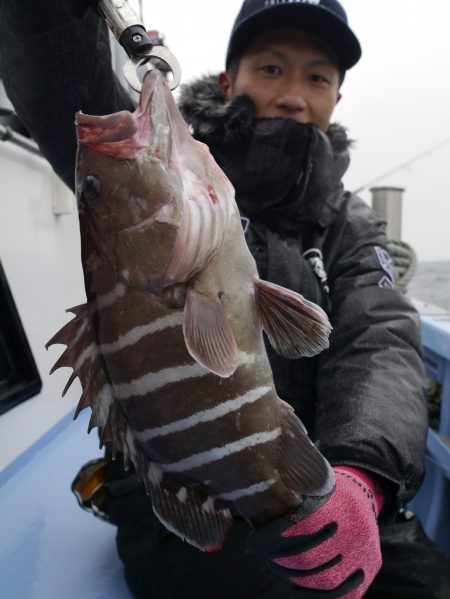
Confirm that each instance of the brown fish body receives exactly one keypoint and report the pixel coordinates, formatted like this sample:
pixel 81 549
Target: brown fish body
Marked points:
pixel 169 347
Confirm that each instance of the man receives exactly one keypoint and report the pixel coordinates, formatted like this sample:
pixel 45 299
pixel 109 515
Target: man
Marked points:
pixel 267 122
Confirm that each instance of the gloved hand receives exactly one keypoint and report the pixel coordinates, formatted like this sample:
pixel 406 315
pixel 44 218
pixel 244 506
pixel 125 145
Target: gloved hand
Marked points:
pixel 331 545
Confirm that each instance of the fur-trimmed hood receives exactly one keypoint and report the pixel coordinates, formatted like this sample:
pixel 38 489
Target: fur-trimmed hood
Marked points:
pixel 204 107
pixel 280 169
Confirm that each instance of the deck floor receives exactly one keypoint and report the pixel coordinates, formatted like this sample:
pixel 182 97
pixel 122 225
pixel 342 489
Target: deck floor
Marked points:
pixel 49 547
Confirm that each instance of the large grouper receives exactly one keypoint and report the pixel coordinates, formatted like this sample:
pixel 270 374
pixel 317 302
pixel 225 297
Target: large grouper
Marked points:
pixel 169 347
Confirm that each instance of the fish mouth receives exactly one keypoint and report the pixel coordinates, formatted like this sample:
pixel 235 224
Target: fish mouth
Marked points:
pixel 124 134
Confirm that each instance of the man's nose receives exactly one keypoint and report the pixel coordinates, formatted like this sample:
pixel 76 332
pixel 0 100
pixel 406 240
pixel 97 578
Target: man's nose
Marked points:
pixel 291 99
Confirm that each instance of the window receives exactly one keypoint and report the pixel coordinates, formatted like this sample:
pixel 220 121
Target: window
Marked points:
pixel 19 377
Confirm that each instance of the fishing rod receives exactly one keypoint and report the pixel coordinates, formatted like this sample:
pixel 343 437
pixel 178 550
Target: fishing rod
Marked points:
pixel 131 34
pixel 404 165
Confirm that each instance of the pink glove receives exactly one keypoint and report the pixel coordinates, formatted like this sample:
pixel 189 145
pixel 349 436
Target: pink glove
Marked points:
pixel 337 547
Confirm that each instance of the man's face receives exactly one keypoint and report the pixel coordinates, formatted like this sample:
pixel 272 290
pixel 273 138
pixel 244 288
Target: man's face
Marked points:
pixel 288 74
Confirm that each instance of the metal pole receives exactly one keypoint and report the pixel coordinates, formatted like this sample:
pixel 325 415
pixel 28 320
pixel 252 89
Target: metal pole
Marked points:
pixel 387 203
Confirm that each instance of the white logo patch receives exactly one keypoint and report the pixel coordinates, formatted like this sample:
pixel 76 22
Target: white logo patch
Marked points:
pixel 245 222
pixel 385 283
pixel 275 2
pixel 385 260
pixel 315 258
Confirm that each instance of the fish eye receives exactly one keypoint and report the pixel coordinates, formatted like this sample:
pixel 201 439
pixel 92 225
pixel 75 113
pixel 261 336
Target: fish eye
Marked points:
pixel 90 187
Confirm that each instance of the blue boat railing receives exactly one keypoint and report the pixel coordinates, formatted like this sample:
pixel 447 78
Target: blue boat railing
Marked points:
pixel 432 503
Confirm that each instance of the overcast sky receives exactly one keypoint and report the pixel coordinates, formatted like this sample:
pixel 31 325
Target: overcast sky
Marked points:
pixel 395 103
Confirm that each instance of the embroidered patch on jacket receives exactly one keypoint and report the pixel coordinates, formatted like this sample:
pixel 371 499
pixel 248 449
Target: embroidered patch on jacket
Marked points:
pixel 315 259
pixel 385 260
pixel 245 222
pixel 385 283
pixel 275 2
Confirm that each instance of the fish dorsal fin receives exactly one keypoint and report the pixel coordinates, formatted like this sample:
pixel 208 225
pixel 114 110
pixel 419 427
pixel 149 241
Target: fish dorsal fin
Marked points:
pixel 190 513
pixel 295 327
pixel 82 354
pixel 208 334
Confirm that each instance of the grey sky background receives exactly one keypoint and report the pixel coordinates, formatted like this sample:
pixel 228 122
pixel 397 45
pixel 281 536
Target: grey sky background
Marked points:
pixel 395 102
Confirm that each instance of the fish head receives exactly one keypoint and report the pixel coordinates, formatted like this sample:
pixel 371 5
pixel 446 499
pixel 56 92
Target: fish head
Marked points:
pixel 123 175
pixel 151 198
pixel 129 196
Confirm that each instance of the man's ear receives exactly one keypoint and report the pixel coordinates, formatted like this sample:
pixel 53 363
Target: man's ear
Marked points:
pixel 224 81
pixel 339 96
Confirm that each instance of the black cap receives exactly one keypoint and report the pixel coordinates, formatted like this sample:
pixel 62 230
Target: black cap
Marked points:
pixel 326 19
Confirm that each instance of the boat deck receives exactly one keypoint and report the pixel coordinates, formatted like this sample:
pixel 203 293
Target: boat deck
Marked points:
pixel 49 547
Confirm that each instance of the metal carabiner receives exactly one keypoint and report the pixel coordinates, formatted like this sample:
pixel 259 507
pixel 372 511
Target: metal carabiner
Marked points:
pixel 136 68
pixel 132 36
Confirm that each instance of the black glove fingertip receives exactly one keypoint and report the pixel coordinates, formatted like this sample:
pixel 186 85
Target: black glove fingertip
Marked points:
pixel 268 538
pixel 289 573
pixel 350 584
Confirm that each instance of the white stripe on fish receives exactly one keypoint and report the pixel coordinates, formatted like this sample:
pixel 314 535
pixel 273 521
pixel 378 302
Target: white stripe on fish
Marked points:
pixel 108 299
pixel 248 491
pixel 90 353
pixel 154 474
pixel 156 380
pixel 218 411
pixel 218 453
pixel 138 333
pixel 105 399
pixel 81 329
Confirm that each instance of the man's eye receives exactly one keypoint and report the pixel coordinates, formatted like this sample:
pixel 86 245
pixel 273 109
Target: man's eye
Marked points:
pixel 271 69
pixel 319 78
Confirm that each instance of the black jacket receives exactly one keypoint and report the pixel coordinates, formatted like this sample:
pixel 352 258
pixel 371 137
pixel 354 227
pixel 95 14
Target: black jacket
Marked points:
pixel 362 400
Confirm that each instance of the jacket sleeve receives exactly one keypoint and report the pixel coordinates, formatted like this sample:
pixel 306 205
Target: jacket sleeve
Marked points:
pixel 371 410
pixel 52 66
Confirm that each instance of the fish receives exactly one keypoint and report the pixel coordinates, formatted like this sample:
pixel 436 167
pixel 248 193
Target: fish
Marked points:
pixel 169 346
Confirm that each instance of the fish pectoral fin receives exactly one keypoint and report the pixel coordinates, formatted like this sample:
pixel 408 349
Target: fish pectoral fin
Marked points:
pixel 191 514
pixel 208 334
pixel 302 467
pixel 295 327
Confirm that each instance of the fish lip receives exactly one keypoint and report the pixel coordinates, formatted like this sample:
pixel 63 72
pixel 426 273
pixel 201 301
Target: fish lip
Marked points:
pixel 114 128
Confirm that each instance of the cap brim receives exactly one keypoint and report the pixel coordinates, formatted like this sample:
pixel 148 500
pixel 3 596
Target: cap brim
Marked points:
pixel 307 17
